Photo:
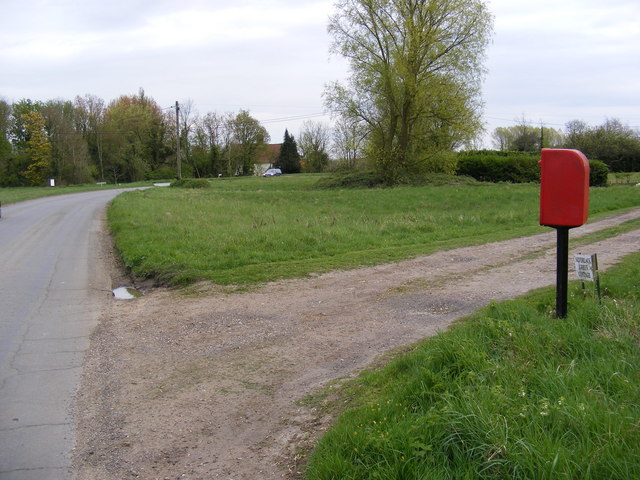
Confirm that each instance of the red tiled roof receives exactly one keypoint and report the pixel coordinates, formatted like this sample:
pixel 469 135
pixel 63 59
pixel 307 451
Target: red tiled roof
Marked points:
pixel 270 154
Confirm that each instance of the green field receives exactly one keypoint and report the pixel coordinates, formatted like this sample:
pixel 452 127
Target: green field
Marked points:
pixel 249 230
pixel 509 392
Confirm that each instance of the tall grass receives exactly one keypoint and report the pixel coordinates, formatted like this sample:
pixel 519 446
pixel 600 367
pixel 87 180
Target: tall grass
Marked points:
pixel 256 229
pixel 510 392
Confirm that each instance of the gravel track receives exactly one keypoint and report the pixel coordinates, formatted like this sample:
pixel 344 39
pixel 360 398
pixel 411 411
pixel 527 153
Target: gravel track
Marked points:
pixel 208 386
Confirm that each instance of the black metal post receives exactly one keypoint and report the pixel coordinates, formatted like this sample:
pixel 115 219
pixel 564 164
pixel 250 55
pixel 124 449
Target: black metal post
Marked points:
pixel 562 271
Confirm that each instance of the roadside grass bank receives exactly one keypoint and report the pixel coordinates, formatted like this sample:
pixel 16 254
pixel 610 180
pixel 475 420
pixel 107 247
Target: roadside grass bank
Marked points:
pixel 244 231
pixel 508 392
pixel 20 194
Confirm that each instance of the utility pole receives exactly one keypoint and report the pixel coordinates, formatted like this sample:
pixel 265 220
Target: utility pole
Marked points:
pixel 179 166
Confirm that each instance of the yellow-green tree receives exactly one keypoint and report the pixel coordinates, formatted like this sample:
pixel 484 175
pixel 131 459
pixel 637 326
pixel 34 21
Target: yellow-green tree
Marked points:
pixel 133 142
pixel 38 148
pixel 416 71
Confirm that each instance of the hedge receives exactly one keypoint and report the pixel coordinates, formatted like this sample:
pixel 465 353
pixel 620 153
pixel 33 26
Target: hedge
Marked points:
pixel 515 167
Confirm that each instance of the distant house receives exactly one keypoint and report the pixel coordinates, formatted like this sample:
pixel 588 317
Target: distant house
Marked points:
pixel 266 158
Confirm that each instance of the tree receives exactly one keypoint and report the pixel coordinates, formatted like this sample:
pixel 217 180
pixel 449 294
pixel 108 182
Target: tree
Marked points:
pixel 289 159
pixel 38 148
pixel 416 70
pixel 246 138
pixel 525 137
pixel 5 122
pixel 89 118
pixel 187 119
pixel 314 145
pixel 134 133
pixel 9 172
pixel 348 139
pixel 613 143
pixel 71 163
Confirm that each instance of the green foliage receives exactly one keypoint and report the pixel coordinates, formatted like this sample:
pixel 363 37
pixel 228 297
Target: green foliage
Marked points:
pixel 131 138
pixel 289 227
pixel 440 162
pixel 162 173
pixel 613 143
pixel 192 183
pixel 352 179
pixel 494 166
pixel 598 173
pixel 416 69
pixel 509 392
pixel 289 159
pixel 132 125
pixel 526 138
pixel 38 148
pixel 515 167
pixel 371 179
pixel 248 137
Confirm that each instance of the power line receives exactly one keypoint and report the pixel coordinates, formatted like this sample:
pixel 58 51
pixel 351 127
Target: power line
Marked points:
pixel 292 118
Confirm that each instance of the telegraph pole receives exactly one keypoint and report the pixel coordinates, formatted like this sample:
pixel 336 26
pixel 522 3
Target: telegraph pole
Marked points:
pixel 179 166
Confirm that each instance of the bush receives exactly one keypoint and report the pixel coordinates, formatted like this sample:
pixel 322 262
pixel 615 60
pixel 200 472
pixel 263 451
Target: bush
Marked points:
pixel 161 173
pixel 354 179
pixel 192 183
pixel 516 167
pixel 440 162
pixel 494 166
pixel 599 173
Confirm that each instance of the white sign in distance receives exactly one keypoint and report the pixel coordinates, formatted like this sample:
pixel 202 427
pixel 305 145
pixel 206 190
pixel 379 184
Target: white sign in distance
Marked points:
pixel 586 267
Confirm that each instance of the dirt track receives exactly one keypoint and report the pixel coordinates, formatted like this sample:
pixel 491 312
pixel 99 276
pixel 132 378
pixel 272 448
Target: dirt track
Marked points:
pixel 207 387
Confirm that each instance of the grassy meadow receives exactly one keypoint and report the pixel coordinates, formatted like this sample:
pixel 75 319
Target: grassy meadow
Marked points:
pixel 509 392
pixel 248 230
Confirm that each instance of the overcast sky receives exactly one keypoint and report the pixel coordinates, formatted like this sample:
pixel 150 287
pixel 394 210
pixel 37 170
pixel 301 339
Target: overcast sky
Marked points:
pixel 550 61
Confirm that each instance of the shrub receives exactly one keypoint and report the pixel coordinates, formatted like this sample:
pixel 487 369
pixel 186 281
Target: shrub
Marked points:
pixel 192 183
pixel 494 166
pixel 161 173
pixel 599 173
pixel 440 162
pixel 354 179
pixel 516 167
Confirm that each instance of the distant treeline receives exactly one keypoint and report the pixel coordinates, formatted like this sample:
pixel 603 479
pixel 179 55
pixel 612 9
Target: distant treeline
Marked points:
pixel 133 138
pixel 129 139
pixel 615 144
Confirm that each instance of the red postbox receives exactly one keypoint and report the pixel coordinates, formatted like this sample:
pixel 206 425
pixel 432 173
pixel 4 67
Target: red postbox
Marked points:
pixel 564 204
pixel 564 188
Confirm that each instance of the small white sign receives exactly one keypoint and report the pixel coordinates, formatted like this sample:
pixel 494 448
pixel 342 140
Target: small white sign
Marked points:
pixel 586 266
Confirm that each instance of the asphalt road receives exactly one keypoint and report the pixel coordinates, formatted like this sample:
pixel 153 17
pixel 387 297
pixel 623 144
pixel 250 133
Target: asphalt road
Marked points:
pixel 52 287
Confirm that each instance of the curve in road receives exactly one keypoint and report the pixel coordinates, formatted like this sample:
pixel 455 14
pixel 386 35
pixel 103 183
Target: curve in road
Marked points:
pixel 52 287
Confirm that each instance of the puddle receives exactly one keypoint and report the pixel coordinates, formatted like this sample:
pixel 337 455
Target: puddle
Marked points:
pixel 126 293
pixel 163 184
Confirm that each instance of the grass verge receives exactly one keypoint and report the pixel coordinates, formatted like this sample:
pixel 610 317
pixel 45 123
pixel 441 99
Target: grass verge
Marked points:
pixel 244 231
pixel 20 194
pixel 509 392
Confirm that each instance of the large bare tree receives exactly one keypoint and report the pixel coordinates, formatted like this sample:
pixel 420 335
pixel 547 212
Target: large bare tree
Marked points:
pixel 314 143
